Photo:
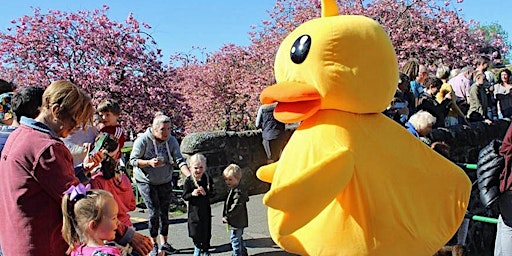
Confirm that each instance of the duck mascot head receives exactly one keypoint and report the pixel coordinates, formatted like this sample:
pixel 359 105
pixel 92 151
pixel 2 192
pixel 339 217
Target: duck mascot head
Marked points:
pixel 351 181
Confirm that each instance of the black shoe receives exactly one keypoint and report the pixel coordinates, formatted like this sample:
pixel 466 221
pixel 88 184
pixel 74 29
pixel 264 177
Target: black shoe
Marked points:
pixel 167 248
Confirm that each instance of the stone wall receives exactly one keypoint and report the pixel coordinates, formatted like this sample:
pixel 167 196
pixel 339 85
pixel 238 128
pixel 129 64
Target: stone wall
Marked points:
pixel 245 149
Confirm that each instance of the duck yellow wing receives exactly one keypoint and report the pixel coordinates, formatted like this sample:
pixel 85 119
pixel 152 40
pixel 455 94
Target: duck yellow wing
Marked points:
pixel 266 172
pixel 327 177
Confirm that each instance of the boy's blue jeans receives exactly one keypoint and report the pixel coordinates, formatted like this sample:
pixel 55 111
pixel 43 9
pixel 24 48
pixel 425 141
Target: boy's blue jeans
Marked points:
pixel 197 251
pixel 237 242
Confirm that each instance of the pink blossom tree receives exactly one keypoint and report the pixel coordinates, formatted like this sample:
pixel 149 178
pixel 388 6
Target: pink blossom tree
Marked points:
pixel 223 90
pixel 106 58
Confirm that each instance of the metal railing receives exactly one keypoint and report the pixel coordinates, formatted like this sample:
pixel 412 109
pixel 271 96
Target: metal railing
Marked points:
pixel 470 215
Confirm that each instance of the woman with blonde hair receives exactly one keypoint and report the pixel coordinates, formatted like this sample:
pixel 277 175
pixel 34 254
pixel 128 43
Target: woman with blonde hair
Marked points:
pixel 455 113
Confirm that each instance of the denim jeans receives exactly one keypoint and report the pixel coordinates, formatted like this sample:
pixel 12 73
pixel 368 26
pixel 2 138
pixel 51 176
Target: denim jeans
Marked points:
pixel 157 199
pixel 200 252
pixel 197 251
pixel 237 241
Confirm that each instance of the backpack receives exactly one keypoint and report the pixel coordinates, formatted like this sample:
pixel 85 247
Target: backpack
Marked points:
pixel 490 164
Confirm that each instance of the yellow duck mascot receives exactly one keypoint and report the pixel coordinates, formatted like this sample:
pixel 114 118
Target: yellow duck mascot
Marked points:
pixel 351 181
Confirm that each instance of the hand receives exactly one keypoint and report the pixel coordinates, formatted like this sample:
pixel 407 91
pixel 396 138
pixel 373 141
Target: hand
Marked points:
pixel 199 191
pixel 92 161
pixel 154 162
pixel 224 220
pixel 95 171
pixel 87 146
pixel 160 162
pixel 141 243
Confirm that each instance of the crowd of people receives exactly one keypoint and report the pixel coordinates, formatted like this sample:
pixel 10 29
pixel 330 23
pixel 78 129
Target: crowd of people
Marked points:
pixel 444 97
pixel 65 184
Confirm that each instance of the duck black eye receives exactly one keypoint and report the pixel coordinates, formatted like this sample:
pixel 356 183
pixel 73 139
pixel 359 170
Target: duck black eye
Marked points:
pixel 300 49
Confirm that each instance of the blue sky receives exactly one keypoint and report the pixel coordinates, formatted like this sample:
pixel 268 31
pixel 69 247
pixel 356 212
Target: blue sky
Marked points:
pixel 176 25
pixel 179 25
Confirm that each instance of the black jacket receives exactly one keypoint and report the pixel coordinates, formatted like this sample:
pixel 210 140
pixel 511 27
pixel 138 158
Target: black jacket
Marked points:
pixel 428 103
pixel 199 209
pixel 489 167
pixel 270 127
pixel 235 208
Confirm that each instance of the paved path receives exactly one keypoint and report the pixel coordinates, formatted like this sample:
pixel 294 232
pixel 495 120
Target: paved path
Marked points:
pixel 257 236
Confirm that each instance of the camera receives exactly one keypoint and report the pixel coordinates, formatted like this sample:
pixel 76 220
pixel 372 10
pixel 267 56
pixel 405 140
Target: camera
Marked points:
pixel 107 142
pixel 104 141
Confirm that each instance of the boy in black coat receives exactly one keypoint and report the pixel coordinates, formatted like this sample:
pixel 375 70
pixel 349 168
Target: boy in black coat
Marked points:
pixel 235 209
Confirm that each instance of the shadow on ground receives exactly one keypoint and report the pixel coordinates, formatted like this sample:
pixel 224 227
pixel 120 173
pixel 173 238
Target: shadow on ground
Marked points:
pixel 265 243
pixel 144 225
pixel 251 243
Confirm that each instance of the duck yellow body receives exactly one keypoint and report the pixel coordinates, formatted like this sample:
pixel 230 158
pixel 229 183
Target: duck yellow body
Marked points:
pixel 351 181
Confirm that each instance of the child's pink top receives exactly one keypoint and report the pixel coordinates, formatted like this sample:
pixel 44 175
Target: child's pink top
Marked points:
pixel 85 250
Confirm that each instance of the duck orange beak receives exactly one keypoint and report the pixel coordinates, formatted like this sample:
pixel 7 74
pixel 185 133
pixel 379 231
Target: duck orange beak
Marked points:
pixel 295 101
